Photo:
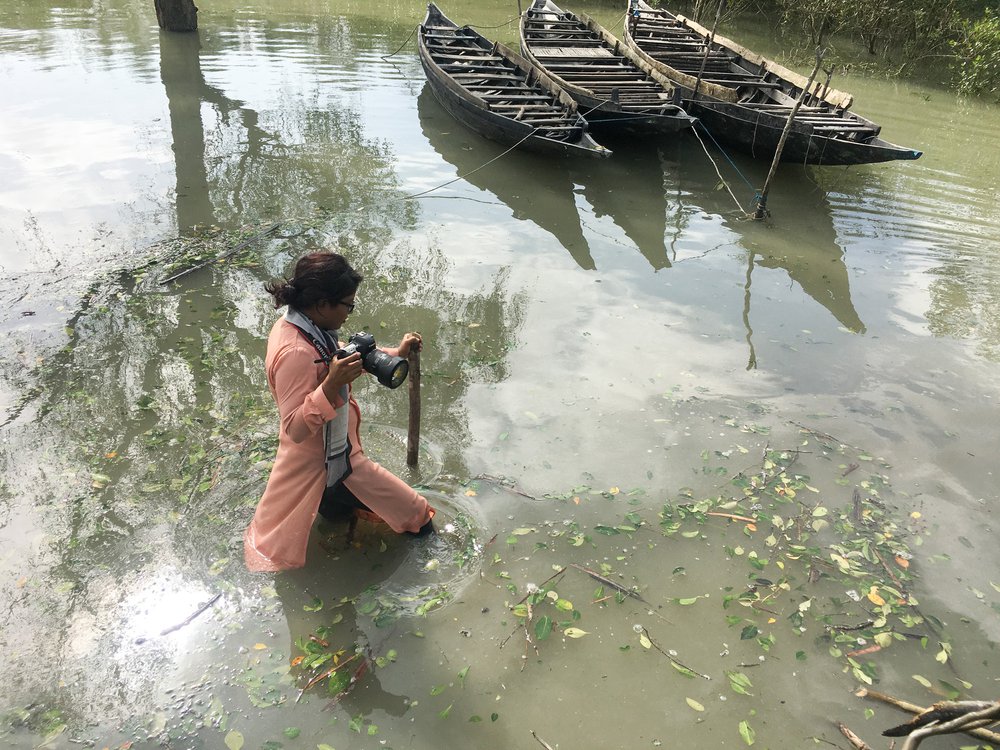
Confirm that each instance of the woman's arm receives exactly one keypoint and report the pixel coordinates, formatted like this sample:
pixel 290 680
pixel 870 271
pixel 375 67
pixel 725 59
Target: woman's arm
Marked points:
pixel 303 403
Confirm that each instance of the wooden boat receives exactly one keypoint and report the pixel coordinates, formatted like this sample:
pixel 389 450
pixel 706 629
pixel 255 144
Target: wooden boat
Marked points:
pixel 612 84
pixel 494 91
pixel 744 99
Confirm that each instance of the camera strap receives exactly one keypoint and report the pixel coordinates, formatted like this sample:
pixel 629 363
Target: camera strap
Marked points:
pixel 322 349
pixel 336 446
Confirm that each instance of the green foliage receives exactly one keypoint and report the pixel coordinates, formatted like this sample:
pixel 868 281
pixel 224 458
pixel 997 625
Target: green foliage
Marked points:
pixel 979 57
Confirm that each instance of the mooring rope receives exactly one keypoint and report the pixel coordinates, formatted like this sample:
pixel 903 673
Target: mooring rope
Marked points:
pixel 723 179
pixel 455 179
pixel 405 42
pixel 498 26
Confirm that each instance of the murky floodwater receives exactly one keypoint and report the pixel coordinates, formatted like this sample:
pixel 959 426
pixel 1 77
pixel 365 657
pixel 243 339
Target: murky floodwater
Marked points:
pixel 609 346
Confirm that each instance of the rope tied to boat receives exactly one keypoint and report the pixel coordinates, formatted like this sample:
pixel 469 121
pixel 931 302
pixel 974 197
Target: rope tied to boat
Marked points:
pixel 405 42
pixel 757 195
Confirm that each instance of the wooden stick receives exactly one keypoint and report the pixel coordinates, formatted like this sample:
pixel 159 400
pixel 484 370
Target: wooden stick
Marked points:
pixel 708 49
pixel 191 619
pixel 672 659
pixel 542 742
pixel 413 434
pixel 226 254
pixel 608 582
pixel 731 516
pixel 761 211
pixel 983 734
pixel 859 743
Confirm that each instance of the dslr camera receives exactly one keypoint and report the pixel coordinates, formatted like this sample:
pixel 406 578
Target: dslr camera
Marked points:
pixel 390 371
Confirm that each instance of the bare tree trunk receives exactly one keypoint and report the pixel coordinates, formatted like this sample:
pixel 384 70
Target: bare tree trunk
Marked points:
pixel 176 15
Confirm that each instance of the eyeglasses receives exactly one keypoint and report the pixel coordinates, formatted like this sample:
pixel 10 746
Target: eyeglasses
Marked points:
pixel 349 305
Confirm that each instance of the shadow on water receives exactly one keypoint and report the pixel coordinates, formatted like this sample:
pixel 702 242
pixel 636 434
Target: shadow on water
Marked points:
pixel 546 199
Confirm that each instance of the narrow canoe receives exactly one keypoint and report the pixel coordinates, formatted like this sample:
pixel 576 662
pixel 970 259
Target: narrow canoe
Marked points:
pixel 744 99
pixel 492 90
pixel 612 84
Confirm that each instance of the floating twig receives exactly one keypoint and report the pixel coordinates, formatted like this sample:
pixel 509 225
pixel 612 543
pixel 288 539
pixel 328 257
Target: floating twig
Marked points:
pixel 672 659
pixel 508 484
pixel 235 249
pixel 608 582
pixel 192 617
pixel 732 516
pixel 543 743
pixel 323 675
pixel 853 738
pixel 623 590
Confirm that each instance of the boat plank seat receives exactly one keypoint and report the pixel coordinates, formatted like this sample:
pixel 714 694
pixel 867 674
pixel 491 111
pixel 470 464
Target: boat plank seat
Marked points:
pixel 574 52
pixel 846 129
pixel 485 57
pixel 474 76
pixel 741 83
pixel 513 97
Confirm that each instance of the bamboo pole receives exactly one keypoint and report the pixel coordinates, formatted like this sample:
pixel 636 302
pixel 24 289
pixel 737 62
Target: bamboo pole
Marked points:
pixel 413 434
pixel 708 49
pixel 761 211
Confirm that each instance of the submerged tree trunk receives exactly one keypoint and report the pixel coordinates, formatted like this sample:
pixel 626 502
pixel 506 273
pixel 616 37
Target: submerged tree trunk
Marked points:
pixel 176 15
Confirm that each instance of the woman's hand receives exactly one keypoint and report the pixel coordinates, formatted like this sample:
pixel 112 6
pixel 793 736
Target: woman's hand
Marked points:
pixel 342 372
pixel 410 341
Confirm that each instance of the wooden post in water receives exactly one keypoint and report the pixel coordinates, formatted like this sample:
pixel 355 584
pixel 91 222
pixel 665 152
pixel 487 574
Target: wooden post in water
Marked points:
pixel 176 15
pixel 708 48
pixel 413 434
pixel 761 211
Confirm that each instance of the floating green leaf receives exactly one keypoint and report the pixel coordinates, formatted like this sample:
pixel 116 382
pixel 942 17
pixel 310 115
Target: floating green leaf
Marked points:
pixel 747 733
pixel 234 740
pixel 694 704
pixel 543 627
pixel 574 632
pixel 740 683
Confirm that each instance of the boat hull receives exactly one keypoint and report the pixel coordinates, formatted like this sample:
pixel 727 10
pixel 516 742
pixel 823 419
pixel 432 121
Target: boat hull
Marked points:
pixel 513 87
pixel 637 100
pixel 744 100
pixel 756 134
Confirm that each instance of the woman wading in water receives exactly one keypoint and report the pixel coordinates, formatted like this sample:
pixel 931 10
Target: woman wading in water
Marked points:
pixel 320 466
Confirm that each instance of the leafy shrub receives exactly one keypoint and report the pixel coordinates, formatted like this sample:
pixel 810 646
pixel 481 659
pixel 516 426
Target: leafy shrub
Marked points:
pixel 979 57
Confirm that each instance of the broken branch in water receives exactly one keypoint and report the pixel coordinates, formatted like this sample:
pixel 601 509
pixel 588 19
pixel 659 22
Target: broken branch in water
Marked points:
pixel 983 734
pixel 235 249
pixel 968 722
pixel 674 661
pixel 858 743
pixel 543 743
pixel 327 673
pixel 623 590
pixel 192 617
pixel 732 516
pixel 608 582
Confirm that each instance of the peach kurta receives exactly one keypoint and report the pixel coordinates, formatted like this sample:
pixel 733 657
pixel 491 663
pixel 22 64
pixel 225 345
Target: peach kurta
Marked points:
pixel 277 536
